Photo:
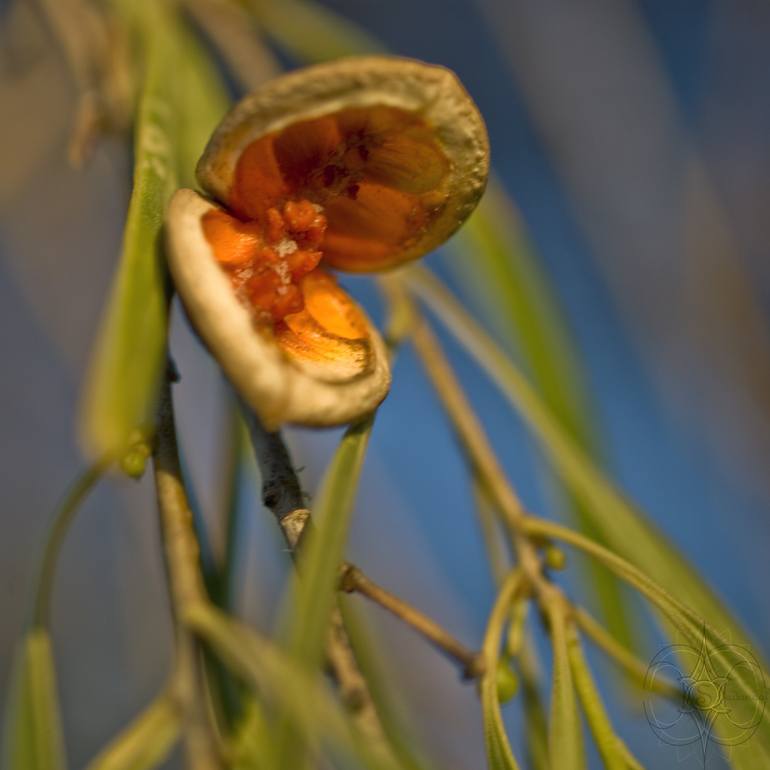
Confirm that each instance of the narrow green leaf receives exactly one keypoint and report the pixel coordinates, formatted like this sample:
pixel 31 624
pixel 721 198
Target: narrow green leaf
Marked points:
pixel 608 743
pixel 314 587
pixel 251 743
pixel 565 739
pixel 499 753
pixel 322 550
pixel 33 735
pixel 393 713
pixel 234 459
pixel 147 741
pixel 121 392
pixel 180 101
pixel 226 693
pixel 536 725
pixel 65 513
pixel 316 714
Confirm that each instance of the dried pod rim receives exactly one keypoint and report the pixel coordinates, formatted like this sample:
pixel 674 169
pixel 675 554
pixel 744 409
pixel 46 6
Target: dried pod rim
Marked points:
pixel 432 91
pixel 266 379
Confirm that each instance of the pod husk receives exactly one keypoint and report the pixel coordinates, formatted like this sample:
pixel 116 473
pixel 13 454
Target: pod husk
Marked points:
pixel 274 386
pixel 432 92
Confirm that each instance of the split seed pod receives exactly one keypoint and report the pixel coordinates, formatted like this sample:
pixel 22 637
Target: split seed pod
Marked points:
pixel 359 165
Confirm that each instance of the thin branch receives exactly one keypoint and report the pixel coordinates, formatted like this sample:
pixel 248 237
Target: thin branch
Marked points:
pixel 491 477
pixel 497 553
pixel 521 526
pixel 479 452
pixel 282 495
pixel 486 467
pixel 186 587
pixel 281 488
pixel 484 463
pixel 466 425
pixel 672 608
pixel 353 580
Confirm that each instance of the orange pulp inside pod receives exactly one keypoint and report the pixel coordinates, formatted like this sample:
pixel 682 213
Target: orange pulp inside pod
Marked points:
pixel 266 261
pixel 352 190
pixel 378 173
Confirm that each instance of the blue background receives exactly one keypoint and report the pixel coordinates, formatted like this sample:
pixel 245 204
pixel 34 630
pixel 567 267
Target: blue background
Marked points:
pixel 676 381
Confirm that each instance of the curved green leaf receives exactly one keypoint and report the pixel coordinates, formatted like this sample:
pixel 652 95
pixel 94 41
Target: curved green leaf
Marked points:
pixel 499 753
pixel 33 735
pixel 317 715
pixel 536 727
pixel 391 709
pixel 609 744
pixel 63 517
pixel 147 741
pixel 322 550
pixel 565 738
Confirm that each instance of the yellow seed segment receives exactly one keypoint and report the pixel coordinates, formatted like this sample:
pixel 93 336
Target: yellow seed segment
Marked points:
pixel 329 336
pixel 331 307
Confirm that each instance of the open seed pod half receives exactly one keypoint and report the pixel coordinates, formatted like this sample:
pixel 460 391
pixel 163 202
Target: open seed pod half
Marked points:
pixel 358 165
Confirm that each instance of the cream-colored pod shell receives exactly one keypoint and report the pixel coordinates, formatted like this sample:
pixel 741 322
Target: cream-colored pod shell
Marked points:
pixel 432 92
pixel 277 389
